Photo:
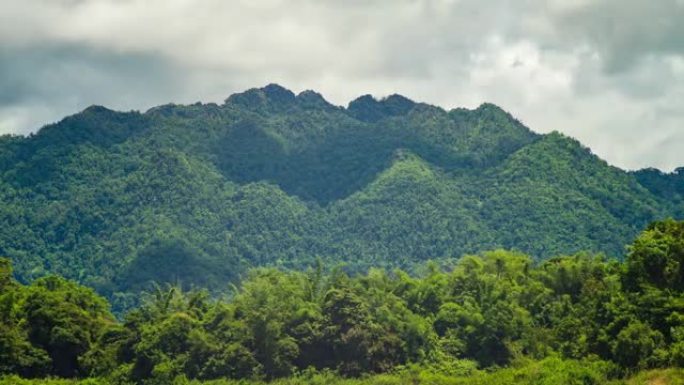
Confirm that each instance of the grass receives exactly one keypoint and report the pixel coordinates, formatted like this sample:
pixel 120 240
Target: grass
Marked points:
pixel 550 371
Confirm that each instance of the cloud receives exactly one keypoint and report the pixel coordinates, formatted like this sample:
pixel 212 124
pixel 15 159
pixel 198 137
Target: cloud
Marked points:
pixel 41 84
pixel 623 32
pixel 605 71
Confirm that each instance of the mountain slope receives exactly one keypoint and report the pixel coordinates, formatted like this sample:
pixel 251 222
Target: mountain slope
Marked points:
pixel 197 193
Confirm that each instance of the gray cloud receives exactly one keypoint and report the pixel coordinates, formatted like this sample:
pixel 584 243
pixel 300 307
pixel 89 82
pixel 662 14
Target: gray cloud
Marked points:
pixel 40 84
pixel 608 72
pixel 623 32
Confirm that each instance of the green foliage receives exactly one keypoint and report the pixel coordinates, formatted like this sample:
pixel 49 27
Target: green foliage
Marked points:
pixel 669 186
pixel 49 328
pixel 493 318
pixel 657 257
pixel 198 194
pixel 547 372
pixel 182 197
pixel 636 344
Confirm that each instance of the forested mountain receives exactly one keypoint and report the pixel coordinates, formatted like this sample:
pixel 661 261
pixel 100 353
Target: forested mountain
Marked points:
pixel 198 193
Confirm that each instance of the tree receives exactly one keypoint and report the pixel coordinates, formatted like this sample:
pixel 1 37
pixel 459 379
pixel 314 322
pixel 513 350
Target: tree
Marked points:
pixel 656 258
pixel 65 320
pixel 636 345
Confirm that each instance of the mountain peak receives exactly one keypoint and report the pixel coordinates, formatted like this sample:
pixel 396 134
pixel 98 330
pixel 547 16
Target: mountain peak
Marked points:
pixel 272 96
pixel 490 106
pixel 369 109
pixel 363 100
pixel 396 104
pixel 309 99
pixel 365 108
pixel 96 109
pixel 277 93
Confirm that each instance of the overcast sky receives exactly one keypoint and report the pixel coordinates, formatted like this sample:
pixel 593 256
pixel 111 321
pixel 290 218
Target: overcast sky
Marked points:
pixel 608 72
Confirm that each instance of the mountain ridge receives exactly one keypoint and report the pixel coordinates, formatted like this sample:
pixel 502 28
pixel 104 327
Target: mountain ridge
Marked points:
pixel 275 178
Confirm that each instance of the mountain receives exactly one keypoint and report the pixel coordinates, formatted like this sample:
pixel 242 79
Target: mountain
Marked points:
pixel 198 193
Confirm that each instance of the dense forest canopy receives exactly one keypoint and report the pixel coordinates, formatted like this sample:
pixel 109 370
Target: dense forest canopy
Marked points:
pixel 198 194
pixel 495 318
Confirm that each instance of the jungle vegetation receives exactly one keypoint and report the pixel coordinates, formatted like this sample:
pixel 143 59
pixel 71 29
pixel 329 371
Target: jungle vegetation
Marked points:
pixel 497 317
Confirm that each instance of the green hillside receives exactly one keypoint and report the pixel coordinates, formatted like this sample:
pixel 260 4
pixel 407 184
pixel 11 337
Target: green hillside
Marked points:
pixel 198 193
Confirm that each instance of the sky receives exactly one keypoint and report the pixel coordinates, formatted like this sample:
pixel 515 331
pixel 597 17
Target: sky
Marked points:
pixel 607 72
